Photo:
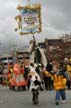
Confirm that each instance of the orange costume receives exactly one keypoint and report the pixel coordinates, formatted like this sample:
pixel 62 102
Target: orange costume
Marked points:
pixel 18 78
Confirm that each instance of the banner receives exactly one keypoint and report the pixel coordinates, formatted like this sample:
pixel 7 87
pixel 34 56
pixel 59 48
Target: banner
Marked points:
pixel 29 19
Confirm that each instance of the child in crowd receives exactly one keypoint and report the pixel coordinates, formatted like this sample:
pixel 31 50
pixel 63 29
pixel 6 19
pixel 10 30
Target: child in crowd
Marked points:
pixel 59 82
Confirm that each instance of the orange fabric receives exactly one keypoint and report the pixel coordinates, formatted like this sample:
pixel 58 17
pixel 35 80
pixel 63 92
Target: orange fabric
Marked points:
pixel 59 82
pixel 18 78
pixel 17 81
pixel 20 83
pixel 22 70
pixel 46 74
pixel 16 68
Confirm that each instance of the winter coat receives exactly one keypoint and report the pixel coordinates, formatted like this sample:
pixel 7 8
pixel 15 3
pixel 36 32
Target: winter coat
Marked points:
pixel 59 82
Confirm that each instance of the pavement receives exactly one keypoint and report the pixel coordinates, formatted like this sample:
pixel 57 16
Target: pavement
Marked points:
pixel 23 99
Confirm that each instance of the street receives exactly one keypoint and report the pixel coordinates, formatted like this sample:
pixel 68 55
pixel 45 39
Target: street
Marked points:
pixel 23 99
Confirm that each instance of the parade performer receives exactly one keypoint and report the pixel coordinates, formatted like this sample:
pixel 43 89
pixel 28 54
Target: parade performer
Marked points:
pixel 10 75
pixel 35 84
pixel 18 80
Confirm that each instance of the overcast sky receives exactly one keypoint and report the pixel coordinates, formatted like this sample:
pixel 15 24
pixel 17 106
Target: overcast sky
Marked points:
pixel 56 19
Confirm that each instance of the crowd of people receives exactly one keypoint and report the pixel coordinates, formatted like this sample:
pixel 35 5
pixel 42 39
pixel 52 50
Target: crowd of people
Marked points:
pixel 56 75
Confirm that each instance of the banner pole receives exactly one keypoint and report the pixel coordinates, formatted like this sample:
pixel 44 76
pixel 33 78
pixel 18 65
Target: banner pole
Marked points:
pixel 28 2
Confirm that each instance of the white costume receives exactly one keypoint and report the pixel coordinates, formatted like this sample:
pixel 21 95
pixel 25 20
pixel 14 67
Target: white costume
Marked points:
pixel 34 74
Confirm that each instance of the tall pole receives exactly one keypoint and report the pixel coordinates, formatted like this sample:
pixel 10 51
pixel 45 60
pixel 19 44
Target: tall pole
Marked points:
pixel 28 2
